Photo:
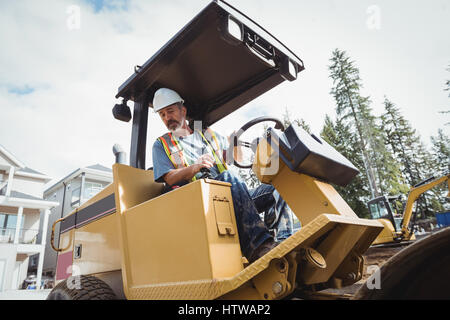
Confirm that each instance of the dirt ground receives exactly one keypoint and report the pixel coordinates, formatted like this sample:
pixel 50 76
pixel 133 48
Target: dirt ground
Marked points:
pixel 377 257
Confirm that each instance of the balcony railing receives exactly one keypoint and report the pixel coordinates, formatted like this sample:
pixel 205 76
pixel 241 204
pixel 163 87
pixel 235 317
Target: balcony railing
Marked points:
pixel 26 236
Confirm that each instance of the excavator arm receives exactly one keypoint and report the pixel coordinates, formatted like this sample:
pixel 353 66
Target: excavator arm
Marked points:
pixel 414 194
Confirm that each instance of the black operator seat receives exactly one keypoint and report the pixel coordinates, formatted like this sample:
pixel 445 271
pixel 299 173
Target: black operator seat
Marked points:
pixel 311 155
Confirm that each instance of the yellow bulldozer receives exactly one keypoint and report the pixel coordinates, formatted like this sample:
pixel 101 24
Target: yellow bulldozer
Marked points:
pixel 133 241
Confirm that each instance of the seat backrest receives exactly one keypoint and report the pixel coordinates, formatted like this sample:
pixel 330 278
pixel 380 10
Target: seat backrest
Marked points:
pixel 134 186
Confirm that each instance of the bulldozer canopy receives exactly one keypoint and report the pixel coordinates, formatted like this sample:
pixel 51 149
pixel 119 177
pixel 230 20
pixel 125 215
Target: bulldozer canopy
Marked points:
pixel 215 69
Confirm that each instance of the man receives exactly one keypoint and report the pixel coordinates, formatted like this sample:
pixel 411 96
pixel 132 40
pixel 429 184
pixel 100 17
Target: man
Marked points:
pixel 181 154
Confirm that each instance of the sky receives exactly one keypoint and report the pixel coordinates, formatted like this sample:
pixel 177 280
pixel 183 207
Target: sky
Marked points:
pixel 63 61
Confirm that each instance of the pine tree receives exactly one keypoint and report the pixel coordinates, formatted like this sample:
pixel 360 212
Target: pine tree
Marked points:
pixel 287 121
pixel 354 110
pixel 441 161
pixel 447 83
pixel 441 151
pixel 402 141
pixel 416 163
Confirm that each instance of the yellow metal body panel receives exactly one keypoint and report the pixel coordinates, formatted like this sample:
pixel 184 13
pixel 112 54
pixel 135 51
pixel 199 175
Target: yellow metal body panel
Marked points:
pixel 387 234
pixel 175 237
pixel 99 246
pixel 242 285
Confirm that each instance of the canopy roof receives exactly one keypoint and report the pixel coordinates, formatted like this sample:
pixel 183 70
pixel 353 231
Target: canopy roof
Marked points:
pixel 214 72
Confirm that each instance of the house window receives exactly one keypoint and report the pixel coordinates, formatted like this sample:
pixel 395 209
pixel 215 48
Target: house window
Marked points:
pixel 91 189
pixel 75 201
pixel 8 224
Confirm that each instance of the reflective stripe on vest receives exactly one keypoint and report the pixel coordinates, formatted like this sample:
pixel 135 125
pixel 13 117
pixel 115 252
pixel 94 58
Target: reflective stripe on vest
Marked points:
pixel 174 150
pixel 220 164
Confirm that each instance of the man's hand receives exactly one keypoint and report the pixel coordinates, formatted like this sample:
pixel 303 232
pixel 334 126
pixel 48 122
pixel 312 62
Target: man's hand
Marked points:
pixel 205 161
pixel 185 174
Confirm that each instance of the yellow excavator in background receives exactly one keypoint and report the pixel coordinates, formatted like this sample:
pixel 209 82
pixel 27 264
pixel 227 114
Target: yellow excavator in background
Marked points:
pixel 397 225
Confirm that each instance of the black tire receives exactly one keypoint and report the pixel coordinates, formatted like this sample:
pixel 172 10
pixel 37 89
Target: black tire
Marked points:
pixel 90 288
pixel 418 272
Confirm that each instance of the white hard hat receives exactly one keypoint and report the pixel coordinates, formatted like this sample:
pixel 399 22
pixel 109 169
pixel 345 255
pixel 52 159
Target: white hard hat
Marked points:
pixel 165 97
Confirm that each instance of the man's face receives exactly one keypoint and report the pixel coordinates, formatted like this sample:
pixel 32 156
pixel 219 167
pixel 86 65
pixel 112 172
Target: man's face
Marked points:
pixel 173 116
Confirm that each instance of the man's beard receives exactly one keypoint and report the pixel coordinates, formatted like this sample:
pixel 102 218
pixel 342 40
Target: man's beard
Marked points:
pixel 173 125
pixel 177 127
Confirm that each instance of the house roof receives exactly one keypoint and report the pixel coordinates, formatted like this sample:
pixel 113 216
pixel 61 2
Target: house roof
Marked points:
pixel 99 167
pixel 95 169
pixel 10 157
pixel 21 195
pixel 29 170
pixel 21 168
pixel 24 200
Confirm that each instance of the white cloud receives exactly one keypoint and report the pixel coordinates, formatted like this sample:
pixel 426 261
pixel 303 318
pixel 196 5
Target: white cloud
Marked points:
pixel 66 122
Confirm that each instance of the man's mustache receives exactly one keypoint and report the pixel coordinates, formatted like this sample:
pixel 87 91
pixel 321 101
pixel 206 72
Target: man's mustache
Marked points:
pixel 172 122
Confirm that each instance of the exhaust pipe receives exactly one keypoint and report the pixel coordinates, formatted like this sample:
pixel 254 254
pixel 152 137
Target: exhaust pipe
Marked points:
pixel 119 154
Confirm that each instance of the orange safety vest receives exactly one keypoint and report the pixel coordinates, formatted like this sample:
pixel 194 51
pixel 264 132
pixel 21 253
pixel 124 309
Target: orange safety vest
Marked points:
pixel 174 150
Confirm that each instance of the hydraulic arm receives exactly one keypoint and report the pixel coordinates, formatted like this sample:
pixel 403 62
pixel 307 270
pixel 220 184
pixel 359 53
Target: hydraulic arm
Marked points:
pixel 414 194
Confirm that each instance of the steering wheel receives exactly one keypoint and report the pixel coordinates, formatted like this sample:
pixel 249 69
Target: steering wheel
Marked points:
pixel 252 145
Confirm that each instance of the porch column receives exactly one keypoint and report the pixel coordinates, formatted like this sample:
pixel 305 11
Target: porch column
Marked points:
pixel 10 181
pixel 18 223
pixel 39 269
pixel 47 212
pixel 45 227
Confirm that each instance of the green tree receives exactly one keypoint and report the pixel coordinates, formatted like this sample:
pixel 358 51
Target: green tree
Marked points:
pixel 441 159
pixel 402 140
pixel 416 162
pixel 447 83
pixel 441 151
pixel 287 121
pixel 354 110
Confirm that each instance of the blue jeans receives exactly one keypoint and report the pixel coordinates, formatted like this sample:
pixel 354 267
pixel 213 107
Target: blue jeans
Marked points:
pixel 247 203
pixel 277 214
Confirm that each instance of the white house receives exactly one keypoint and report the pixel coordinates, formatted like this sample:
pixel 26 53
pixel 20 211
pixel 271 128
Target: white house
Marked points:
pixel 21 208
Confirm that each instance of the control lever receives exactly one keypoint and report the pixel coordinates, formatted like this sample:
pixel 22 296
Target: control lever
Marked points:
pixel 206 174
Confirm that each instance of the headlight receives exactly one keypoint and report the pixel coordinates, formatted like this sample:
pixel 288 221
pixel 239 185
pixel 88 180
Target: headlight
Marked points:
pixel 288 69
pixel 235 29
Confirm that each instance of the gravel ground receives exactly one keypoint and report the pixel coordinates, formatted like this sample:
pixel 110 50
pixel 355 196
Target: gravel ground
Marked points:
pixel 24 294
